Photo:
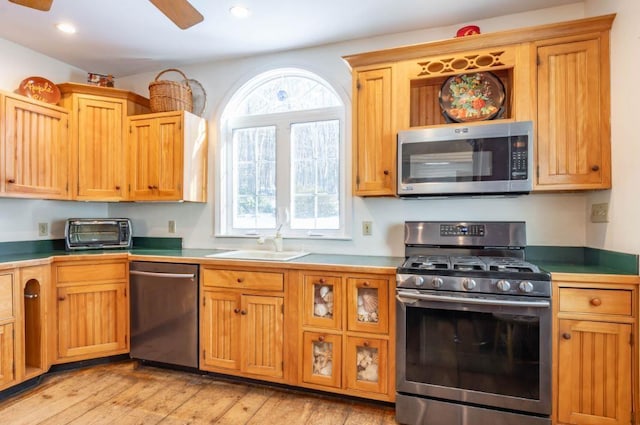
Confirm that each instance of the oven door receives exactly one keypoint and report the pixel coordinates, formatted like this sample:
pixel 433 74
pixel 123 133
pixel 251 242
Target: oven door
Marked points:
pixel 488 351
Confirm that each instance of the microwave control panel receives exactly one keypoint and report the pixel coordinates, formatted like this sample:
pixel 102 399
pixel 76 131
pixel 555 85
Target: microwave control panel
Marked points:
pixel 519 158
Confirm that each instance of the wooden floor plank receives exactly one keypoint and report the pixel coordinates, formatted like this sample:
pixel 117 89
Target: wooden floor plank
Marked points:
pixel 127 393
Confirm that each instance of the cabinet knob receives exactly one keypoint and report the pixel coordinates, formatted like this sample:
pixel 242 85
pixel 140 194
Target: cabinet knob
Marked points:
pixel 117 187
pixel 386 172
pixel 243 312
pixel 150 187
pixel 366 283
pixel 566 335
pixel 236 310
pixel 62 298
pixel 366 343
pixel 12 181
pixel 321 338
pixel 322 280
pixel 595 168
pixel 240 280
pixel 595 302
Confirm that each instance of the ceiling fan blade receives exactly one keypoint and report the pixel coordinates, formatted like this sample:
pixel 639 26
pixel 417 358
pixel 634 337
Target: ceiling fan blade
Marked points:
pixel 179 11
pixel 43 5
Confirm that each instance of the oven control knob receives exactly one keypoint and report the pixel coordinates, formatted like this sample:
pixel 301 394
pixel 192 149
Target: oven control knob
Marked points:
pixel 468 284
pixel 437 282
pixel 418 280
pixel 525 286
pixel 503 285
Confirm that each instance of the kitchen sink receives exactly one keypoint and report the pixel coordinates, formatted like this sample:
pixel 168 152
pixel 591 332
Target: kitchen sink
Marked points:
pixel 256 254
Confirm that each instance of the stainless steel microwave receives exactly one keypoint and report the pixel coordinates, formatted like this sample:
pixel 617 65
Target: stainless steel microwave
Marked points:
pixel 466 159
pixel 97 233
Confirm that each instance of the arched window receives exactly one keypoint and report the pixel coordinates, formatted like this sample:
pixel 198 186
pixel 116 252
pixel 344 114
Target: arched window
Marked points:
pixel 283 157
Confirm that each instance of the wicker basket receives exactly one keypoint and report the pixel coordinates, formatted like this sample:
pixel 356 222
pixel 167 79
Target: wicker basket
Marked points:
pixel 165 95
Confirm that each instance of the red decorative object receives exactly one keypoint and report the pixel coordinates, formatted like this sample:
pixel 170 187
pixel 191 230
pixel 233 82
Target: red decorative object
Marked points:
pixel 468 30
pixel 39 88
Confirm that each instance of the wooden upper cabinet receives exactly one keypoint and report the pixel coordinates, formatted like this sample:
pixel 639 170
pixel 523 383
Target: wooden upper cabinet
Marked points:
pixel 573 130
pixel 100 149
pixel 99 154
pixel 374 138
pixel 167 157
pixel 35 149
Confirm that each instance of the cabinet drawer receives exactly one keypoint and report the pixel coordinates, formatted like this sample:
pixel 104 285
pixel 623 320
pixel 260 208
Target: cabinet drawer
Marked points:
pixel 595 301
pixel 6 296
pixel 85 273
pixel 238 279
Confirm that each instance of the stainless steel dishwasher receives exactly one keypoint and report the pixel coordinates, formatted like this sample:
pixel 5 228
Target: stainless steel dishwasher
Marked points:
pixel 164 312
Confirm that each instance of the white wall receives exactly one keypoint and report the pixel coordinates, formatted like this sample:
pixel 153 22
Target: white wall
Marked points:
pixel 19 217
pixel 622 232
pixel 552 219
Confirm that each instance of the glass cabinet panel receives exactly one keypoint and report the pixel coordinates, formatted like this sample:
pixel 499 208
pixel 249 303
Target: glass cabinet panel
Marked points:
pixel 322 301
pixel 368 305
pixel 322 359
pixel 366 363
pixel 368 302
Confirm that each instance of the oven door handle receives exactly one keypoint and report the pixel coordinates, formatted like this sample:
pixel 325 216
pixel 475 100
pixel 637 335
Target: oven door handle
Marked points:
pixel 404 296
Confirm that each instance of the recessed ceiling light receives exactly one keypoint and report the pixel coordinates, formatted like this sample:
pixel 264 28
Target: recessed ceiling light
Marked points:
pixel 66 28
pixel 239 11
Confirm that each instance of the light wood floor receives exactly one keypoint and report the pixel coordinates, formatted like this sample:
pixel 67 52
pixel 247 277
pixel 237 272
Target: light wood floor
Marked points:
pixel 127 393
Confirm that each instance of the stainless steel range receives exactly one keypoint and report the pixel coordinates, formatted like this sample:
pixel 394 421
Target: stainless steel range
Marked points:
pixel 473 327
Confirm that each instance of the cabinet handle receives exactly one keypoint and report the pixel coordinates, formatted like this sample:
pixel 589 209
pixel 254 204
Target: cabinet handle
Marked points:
pixel 236 310
pixel 366 343
pixel 366 283
pixel 117 187
pixel 150 187
pixel 31 296
pixel 12 181
pixel 566 335
pixel 243 312
pixel 62 298
pixel 240 280
pixel 595 168
pixel 322 280
pixel 595 302
pixel 386 172
pixel 321 338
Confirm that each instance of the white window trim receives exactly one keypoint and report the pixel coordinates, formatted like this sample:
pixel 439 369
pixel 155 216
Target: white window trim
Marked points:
pixel 224 208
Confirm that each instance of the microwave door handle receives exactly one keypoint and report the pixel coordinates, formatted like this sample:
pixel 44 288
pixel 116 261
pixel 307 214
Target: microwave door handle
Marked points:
pixel 415 297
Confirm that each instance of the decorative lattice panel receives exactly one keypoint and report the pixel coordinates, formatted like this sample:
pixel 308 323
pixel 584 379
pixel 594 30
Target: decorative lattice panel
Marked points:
pixel 462 63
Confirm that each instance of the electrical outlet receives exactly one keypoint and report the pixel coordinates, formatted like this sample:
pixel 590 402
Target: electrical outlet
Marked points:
pixel 172 226
pixel 43 229
pixel 600 213
pixel 367 228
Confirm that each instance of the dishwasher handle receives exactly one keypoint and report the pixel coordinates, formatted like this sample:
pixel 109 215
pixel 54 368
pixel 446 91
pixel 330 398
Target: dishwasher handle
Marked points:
pixel 165 275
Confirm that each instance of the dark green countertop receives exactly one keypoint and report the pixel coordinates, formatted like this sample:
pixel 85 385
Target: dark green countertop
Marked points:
pixel 553 259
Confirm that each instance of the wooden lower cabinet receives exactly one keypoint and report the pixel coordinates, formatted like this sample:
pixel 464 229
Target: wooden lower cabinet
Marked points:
pixel 242 323
pixel 7 354
pixel 92 310
pixel 596 366
pixel 347 336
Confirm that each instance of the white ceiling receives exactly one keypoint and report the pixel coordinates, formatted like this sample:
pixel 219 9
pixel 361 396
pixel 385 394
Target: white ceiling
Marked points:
pixel 125 37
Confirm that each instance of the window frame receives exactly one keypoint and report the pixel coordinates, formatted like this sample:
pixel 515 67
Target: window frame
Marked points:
pixel 282 121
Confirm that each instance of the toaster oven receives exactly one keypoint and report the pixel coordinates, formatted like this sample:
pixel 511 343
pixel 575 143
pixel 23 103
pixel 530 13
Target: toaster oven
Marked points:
pixel 97 233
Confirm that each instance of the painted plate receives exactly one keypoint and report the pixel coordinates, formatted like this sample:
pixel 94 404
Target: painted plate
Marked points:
pixel 39 88
pixel 472 97
pixel 199 96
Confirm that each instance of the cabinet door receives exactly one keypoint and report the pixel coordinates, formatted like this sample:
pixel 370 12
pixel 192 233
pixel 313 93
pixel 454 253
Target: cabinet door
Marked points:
pixel 35 151
pixel 100 148
pixel 92 320
pixel 7 371
pixel 262 335
pixel 322 301
pixel 368 305
pixel 220 330
pixel 7 291
pixel 594 380
pixel 366 363
pixel 322 359
pixel 156 158
pixel 573 140
pixel 375 141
